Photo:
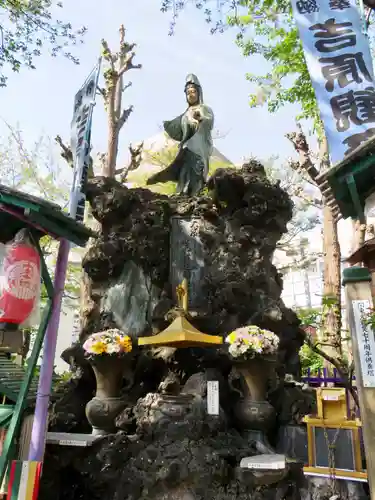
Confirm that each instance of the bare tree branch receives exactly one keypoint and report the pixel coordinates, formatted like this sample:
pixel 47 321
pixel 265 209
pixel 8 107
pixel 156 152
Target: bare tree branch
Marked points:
pixel 67 154
pixel 102 91
pixel 128 85
pixel 124 117
pixel 135 159
pixel 66 151
pixel 129 64
pixel 298 139
pixel 119 63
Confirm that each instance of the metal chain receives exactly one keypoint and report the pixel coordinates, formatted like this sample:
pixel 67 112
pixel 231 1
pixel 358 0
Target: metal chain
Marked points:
pixel 331 446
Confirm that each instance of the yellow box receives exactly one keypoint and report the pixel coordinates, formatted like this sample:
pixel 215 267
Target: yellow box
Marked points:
pixel 332 404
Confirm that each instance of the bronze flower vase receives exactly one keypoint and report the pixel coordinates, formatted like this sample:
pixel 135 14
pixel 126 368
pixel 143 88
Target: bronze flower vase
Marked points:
pixel 106 405
pixel 254 412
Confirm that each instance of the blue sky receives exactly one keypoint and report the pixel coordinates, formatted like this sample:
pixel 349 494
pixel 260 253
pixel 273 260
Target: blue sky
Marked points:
pixel 40 101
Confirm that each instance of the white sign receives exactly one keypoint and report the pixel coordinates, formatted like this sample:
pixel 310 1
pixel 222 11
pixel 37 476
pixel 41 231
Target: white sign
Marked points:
pixel 329 397
pixel 80 142
pixel 69 442
pixel 264 462
pixel 338 58
pixel 213 397
pixel 76 330
pixel 366 342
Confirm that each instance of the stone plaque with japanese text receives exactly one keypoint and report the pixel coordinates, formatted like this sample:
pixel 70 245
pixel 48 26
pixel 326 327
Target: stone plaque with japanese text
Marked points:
pixel 187 258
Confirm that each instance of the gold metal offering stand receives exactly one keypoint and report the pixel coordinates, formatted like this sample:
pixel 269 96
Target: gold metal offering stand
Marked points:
pixel 332 425
pixel 181 333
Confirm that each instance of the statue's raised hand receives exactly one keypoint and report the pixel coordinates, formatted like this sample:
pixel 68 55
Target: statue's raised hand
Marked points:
pixel 195 123
pixel 197 115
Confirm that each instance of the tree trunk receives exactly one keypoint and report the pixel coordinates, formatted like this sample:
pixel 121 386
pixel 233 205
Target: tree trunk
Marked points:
pixel 332 274
pixel 332 286
pixel 115 108
pixel 110 164
pixel 86 303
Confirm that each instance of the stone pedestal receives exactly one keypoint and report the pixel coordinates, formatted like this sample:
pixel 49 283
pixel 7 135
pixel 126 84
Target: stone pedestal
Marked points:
pixel 253 414
pixel 265 469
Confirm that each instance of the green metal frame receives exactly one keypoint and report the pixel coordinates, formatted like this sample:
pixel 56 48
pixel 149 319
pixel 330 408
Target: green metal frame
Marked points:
pixel 14 424
pixel 6 412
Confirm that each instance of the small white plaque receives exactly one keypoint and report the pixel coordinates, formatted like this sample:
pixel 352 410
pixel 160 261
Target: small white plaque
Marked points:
pixel 366 342
pixel 70 442
pixel 264 462
pixel 330 397
pixel 213 397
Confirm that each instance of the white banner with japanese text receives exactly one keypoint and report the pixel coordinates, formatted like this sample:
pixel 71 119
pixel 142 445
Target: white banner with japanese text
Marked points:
pixel 366 341
pixel 80 142
pixel 338 58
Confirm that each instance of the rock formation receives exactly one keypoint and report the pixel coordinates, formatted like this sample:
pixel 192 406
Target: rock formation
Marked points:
pixel 243 217
pixel 168 447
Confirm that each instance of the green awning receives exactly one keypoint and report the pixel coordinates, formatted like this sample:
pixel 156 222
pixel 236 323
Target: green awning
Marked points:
pixel 350 182
pixel 18 209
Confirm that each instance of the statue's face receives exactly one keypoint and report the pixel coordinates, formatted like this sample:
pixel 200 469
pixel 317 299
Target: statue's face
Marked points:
pixel 192 95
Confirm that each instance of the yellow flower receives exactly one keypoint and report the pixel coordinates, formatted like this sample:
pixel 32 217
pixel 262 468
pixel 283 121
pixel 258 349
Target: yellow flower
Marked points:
pixel 99 347
pixel 124 342
pixel 232 337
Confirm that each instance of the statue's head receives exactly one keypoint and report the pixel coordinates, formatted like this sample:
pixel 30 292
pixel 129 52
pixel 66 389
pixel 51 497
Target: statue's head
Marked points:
pixel 193 90
pixel 192 94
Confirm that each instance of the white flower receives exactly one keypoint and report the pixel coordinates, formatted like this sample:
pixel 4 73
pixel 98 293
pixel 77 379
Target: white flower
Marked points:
pixel 113 348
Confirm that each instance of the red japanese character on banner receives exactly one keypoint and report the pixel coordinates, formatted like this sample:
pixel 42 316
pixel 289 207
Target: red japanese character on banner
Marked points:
pixel 20 282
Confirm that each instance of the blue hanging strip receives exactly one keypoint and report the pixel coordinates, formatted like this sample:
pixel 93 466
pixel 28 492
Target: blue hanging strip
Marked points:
pixel 363 17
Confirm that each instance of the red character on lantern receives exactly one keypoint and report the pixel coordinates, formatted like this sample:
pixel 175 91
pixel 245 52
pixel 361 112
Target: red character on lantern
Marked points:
pixel 20 282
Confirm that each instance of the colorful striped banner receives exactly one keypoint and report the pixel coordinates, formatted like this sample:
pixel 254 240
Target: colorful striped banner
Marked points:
pixel 24 480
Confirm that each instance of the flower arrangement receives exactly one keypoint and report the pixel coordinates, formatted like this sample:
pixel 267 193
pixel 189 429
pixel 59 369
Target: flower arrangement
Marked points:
pixel 111 342
pixel 251 341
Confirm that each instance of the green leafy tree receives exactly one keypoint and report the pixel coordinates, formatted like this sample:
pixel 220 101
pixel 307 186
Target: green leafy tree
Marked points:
pixel 310 360
pixel 265 28
pixel 318 348
pixel 26 28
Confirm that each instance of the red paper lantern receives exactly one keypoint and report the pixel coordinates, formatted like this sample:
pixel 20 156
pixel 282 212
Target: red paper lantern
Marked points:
pixel 20 283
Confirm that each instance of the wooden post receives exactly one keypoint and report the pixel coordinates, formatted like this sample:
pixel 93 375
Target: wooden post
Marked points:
pixel 357 282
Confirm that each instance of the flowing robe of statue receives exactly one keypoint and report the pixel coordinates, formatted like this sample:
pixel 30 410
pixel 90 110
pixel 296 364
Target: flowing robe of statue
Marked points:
pixel 193 130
